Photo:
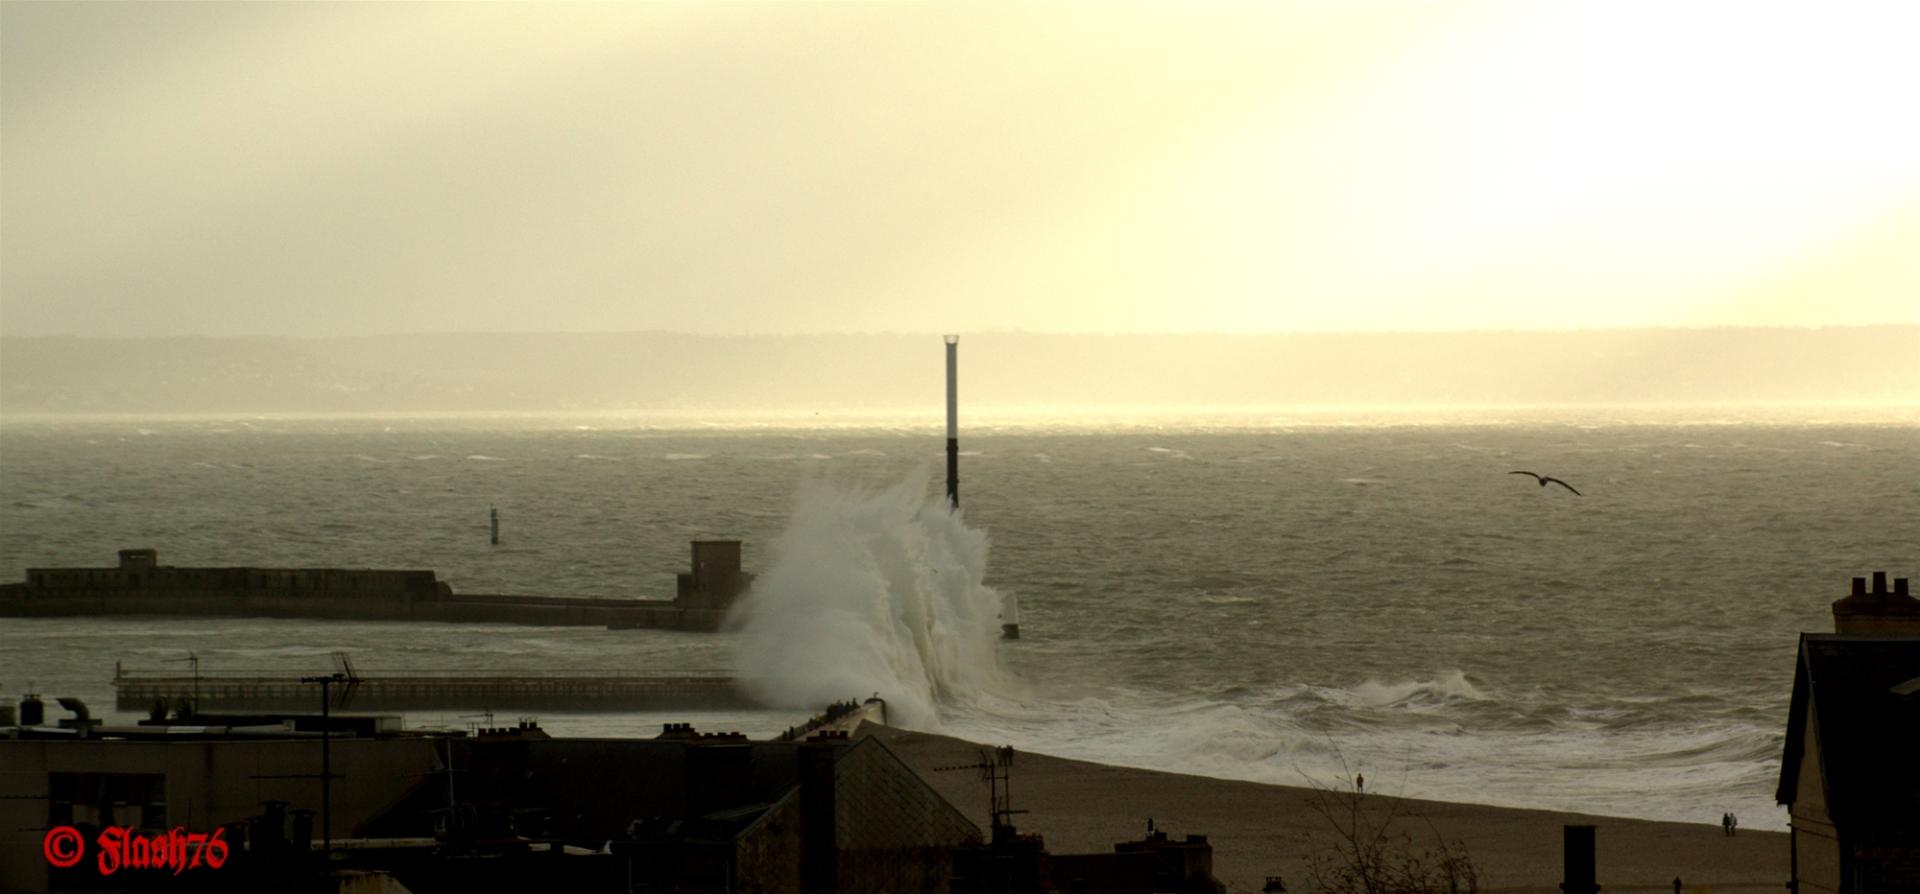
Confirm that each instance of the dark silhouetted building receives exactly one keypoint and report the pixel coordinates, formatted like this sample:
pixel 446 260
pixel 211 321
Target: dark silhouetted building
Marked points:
pixel 503 809
pixel 1850 777
pixel 1017 863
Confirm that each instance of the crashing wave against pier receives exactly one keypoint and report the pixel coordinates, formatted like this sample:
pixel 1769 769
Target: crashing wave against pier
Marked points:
pixel 873 591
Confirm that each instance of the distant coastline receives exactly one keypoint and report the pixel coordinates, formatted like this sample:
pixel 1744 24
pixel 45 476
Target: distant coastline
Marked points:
pixel 1014 419
pixel 1003 374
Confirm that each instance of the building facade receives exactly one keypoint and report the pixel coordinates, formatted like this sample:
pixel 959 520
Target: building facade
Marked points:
pixel 1850 776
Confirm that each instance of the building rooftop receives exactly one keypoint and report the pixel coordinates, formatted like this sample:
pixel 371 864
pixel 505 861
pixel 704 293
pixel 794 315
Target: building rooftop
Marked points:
pixel 1864 696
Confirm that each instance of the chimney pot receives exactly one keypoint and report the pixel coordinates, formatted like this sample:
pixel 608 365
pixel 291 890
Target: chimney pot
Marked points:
pixel 1899 586
pixel 1879 583
pixel 1859 586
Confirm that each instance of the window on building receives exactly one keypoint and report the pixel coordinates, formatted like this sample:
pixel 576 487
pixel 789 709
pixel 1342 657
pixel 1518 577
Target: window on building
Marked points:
pixel 107 799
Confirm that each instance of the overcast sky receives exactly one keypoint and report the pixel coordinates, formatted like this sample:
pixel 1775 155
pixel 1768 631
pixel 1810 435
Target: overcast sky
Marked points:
pixel 271 168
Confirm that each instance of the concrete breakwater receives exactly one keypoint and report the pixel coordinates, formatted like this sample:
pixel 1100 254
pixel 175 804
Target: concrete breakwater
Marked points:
pixel 139 585
pixel 423 692
pixel 551 611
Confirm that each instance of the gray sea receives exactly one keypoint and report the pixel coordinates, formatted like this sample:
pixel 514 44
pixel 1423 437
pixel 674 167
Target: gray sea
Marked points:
pixel 1279 598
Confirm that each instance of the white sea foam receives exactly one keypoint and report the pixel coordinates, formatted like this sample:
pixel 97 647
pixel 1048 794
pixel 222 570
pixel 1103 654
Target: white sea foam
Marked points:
pixel 1203 737
pixel 1448 686
pixel 872 592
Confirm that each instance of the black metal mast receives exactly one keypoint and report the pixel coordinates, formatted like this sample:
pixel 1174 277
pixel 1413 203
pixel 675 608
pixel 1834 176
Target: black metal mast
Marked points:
pixel 953 422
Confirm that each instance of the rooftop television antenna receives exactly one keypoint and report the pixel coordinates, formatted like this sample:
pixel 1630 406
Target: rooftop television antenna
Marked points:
pixel 996 767
pixel 344 677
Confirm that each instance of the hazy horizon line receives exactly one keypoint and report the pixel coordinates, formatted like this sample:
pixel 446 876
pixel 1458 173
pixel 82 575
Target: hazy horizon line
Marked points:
pixel 909 416
pixel 1914 324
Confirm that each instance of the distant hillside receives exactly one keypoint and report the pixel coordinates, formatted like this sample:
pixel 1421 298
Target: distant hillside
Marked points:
pixel 661 371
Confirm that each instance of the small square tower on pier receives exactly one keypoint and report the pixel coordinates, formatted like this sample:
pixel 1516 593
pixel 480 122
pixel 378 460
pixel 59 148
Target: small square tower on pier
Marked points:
pixel 716 577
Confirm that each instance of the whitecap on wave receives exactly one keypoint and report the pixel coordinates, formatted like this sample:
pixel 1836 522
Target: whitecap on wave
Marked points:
pixel 1452 685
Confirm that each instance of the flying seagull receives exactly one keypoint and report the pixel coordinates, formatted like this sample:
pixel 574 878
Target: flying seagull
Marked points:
pixel 1546 478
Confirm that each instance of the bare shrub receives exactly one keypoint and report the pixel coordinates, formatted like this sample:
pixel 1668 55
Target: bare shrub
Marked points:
pixel 1372 853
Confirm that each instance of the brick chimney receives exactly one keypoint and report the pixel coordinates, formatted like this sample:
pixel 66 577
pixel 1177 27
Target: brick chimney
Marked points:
pixel 1879 612
pixel 819 838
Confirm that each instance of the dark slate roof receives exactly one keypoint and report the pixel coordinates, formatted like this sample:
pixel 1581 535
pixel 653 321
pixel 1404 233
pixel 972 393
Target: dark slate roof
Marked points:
pixel 1867 730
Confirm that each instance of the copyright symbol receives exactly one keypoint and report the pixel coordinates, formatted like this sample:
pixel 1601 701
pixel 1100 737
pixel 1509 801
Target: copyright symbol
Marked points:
pixel 63 846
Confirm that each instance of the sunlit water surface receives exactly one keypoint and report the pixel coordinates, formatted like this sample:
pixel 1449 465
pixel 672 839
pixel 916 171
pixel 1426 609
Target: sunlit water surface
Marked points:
pixel 1270 599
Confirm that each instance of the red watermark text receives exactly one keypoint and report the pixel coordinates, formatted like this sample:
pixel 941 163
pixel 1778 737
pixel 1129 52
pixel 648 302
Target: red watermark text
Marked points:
pixel 119 847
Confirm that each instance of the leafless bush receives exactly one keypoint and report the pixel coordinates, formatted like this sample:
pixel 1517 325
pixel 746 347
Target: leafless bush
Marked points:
pixel 1372 853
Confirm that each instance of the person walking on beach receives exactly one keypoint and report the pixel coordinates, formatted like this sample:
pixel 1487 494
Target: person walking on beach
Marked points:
pixel 1726 824
pixel 1733 825
pixel 1360 783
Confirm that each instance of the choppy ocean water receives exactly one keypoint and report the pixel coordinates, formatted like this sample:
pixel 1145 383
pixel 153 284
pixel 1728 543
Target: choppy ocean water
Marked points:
pixel 1269 599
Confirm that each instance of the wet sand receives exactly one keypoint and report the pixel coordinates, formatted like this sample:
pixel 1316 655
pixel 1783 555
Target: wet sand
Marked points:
pixel 1259 830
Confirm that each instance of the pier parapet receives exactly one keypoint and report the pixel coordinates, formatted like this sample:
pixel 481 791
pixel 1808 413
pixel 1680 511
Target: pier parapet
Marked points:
pixel 139 572
pixel 439 692
pixel 140 585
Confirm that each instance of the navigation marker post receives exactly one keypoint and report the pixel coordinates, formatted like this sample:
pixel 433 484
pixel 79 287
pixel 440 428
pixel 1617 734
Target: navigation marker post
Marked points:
pixel 953 422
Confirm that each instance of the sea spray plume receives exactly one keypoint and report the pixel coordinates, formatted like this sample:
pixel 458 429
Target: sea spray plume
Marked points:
pixel 871 591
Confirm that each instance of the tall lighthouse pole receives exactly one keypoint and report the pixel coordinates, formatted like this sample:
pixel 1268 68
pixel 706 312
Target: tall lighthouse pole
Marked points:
pixel 953 422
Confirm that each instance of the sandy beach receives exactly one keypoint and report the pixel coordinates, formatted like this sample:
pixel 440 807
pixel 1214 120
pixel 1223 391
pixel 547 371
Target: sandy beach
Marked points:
pixel 1259 830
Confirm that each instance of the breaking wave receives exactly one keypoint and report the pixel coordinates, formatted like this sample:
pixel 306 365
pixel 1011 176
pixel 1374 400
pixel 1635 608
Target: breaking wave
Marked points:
pixel 872 591
pixel 1449 686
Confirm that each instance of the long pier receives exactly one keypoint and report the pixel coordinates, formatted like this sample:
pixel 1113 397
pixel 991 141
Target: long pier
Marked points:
pixel 140 586
pixel 466 608
pixel 431 692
